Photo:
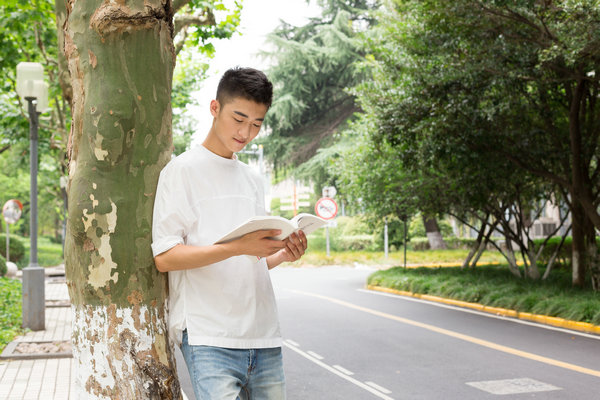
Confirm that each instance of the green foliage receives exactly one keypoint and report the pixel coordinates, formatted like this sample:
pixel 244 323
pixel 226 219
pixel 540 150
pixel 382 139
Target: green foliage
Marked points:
pixel 495 286
pixel 351 234
pixel 16 248
pixel 564 254
pixel 313 64
pixel 422 243
pixel 10 310
pixel 2 266
pixel 187 78
pixel 417 228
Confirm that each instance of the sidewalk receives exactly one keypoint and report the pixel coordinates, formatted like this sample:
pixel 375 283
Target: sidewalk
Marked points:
pixel 42 378
pixel 51 376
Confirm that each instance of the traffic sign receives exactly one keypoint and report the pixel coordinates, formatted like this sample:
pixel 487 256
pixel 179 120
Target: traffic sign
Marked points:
pixel 326 208
pixel 12 211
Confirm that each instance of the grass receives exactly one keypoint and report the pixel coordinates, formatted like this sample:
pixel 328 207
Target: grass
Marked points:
pixel 319 258
pixel 49 253
pixel 10 310
pixel 494 285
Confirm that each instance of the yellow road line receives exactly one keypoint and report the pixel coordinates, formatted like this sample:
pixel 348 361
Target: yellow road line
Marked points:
pixel 467 338
pixel 542 319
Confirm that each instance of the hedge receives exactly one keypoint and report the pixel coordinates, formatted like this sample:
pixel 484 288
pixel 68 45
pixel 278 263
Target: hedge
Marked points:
pixel 2 266
pixel 17 250
pixel 564 255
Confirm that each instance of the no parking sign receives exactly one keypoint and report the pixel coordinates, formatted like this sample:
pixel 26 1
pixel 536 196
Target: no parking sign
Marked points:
pixel 326 208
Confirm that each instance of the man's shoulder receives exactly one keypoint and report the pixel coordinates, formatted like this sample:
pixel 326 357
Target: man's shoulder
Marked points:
pixel 188 160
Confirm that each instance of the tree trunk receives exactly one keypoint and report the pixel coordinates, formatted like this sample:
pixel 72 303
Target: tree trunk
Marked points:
pixel 64 79
pixel 475 249
pixel 436 241
pixel 121 62
pixel 577 256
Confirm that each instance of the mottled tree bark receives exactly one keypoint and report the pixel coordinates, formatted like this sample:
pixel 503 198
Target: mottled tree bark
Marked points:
pixel 120 56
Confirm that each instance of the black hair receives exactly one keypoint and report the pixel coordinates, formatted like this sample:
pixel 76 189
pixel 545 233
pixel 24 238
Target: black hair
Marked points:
pixel 248 83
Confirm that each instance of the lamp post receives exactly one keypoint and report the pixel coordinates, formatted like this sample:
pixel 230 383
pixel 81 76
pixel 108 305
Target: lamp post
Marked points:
pixel 32 88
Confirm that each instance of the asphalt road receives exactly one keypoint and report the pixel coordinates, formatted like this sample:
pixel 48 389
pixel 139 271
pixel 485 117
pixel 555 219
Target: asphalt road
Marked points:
pixel 344 342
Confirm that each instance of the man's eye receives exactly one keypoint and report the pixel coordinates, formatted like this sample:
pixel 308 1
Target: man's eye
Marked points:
pixel 257 125
pixel 237 120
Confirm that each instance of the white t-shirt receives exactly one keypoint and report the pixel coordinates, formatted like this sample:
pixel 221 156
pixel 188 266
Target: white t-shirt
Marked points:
pixel 200 197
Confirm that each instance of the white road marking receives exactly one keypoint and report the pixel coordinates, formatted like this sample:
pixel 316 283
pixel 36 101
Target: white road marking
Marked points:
pixel 484 314
pixel 513 386
pixel 343 370
pixel 291 342
pixel 315 355
pixel 183 395
pixel 338 373
pixel 380 388
pixel 458 335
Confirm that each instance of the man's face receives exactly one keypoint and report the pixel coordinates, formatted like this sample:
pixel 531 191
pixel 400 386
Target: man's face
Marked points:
pixel 236 124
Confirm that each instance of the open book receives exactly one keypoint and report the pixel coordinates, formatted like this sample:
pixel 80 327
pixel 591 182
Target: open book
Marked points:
pixel 306 222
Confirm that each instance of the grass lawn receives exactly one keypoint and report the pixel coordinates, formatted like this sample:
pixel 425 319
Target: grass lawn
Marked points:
pixel 494 285
pixel 318 258
pixel 49 253
pixel 10 310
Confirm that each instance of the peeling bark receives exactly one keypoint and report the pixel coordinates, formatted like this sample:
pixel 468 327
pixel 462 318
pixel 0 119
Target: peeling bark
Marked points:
pixel 120 60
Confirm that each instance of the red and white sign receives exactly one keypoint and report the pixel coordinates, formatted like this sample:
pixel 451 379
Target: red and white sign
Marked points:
pixel 12 211
pixel 326 208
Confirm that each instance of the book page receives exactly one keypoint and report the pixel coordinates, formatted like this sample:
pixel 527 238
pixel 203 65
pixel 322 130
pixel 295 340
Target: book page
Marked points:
pixel 261 223
pixel 308 223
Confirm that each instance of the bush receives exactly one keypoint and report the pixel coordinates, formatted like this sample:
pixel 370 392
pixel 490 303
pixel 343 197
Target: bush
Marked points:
pixel 10 317
pixel 17 249
pixel 2 266
pixel 564 254
pixel 355 242
pixel 422 243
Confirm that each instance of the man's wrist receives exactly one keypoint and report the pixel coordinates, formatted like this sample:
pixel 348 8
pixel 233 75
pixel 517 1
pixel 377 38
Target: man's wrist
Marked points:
pixel 274 260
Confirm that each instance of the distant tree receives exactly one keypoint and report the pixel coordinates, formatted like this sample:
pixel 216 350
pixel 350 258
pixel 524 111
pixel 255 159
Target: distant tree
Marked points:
pixel 514 82
pixel 313 65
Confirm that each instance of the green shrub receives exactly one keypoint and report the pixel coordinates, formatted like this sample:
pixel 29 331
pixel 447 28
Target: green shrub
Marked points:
pixel 422 243
pixel 564 254
pixel 418 244
pixel 355 242
pixel 10 315
pixel 17 249
pixel 2 266
pixel 494 285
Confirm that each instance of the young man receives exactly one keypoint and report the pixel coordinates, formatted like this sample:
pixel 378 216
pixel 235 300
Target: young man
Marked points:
pixel 222 306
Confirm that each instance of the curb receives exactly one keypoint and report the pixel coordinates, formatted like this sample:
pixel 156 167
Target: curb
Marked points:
pixel 542 319
pixel 9 352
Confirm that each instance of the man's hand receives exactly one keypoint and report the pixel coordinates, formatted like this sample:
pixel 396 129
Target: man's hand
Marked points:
pixel 295 247
pixel 259 243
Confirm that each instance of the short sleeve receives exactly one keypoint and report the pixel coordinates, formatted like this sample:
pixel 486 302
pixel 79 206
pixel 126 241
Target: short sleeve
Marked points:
pixel 172 216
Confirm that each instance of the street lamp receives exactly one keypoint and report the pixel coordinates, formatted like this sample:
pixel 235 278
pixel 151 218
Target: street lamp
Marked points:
pixel 32 88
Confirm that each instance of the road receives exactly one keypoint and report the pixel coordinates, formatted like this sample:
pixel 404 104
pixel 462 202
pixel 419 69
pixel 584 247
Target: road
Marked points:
pixel 344 342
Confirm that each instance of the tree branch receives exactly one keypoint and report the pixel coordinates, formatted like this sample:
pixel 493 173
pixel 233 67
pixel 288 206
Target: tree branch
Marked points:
pixel 187 20
pixel 177 5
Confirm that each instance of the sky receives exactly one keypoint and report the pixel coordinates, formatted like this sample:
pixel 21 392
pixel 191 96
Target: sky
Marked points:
pixel 258 19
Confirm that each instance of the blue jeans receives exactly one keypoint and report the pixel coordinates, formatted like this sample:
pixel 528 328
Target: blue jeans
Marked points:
pixel 230 374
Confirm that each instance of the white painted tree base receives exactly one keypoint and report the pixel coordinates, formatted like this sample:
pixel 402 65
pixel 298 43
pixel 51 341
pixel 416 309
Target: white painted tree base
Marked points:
pixel 120 353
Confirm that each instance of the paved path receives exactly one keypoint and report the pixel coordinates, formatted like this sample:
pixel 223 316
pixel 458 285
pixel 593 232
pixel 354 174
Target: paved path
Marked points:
pixel 53 378
pixel 49 379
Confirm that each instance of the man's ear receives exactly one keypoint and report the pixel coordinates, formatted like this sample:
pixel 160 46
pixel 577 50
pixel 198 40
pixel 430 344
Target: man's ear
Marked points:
pixel 215 107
